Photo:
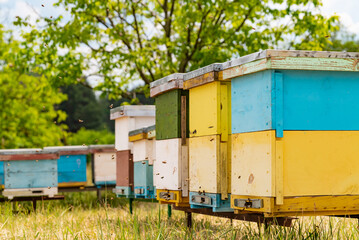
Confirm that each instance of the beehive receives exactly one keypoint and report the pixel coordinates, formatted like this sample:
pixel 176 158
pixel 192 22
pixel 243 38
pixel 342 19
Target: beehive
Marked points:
pixel 104 159
pixel 29 172
pixel 171 165
pixel 71 165
pixel 128 118
pixel 143 140
pixel 295 132
pixel 209 142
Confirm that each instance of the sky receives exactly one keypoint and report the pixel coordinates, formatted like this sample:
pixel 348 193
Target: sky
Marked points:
pixel 9 9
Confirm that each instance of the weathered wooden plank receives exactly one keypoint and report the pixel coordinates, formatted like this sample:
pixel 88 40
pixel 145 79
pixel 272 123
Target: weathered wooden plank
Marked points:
pixel 251 67
pixel 22 157
pixel 201 80
pixel 168 83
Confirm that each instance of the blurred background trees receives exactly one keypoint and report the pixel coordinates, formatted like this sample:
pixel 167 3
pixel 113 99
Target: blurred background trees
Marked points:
pixel 102 54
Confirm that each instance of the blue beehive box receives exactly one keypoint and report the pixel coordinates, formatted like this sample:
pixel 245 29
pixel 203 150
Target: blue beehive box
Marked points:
pixel 29 172
pixel 72 165
pixel 294 90
pixel 1 173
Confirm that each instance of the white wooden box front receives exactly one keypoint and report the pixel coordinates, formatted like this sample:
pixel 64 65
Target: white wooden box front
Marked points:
pixel 105 167
pixel 170 169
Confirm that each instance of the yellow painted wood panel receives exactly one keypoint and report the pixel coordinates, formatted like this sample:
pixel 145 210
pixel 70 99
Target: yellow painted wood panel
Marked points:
pixel 321 163
pixel 314 163
pixel 303 206
pixel 210 165
pixel 209 109
pixel 203 110
pixel 252 164
pixel 203 168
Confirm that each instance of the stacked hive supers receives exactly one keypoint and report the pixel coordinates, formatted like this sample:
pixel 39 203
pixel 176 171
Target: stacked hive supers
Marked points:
pixel 295 133
pixel 209 142
pixel 143 140
pixel 171 164
pixel 128 118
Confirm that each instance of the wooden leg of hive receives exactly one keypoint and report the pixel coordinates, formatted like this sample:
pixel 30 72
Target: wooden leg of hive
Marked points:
pixel 130 200
pixel 189 219
pixel 99 194
pixel 34 205
pixel 169 211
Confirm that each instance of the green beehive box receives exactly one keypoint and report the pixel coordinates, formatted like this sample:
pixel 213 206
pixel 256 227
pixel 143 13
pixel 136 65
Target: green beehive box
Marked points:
pixel 171 101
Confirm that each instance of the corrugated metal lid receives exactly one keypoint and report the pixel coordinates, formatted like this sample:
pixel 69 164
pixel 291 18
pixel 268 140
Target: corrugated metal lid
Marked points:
pixel 133 111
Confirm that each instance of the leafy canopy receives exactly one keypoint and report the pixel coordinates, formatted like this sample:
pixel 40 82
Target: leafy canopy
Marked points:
pixel 123 41
pixel 27 103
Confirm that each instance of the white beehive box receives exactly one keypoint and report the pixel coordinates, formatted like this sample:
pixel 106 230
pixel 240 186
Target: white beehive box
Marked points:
pixel 128 118
pixel 104 158
pixel 144 143
pixel 170 168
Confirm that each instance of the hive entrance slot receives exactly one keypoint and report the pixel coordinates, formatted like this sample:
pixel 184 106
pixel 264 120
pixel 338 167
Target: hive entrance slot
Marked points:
pixel 248 203
pixel 37 191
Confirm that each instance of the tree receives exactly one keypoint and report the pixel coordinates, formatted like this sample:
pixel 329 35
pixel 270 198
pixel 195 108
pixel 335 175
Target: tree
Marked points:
pixel 148 39
pixel 27 115
pixel 82 108
pixel 343 40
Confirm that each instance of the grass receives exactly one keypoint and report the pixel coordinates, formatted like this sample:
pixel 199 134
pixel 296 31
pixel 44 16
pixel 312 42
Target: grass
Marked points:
pixel 81 216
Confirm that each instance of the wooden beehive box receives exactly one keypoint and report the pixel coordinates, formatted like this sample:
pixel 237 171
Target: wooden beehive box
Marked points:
pixel 172 132
pixel 29 172
pixel 143 140
pixel 104 169
pixel 295 132
pixel 71 165
pixel 209 142
pixel 128 118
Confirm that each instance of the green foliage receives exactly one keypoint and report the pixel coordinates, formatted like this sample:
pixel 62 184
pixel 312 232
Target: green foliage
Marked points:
pixel 88 137
pixel 149 39
pixel 27 116
pixel 82 108
pixel 343 41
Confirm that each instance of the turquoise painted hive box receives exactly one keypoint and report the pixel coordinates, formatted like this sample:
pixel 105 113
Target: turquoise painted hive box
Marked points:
pixel 71 165
pixel 143 140
pixel 29 172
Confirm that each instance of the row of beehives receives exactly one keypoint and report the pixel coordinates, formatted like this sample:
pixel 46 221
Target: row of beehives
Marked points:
pixel 40 172
pixel 275 132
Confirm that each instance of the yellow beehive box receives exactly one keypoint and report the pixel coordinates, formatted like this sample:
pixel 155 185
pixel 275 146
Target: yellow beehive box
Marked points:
pixel 303 173
pixel 209 142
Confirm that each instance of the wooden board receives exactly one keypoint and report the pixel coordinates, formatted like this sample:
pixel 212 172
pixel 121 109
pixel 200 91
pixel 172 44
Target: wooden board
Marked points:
pixel 209 165
pixel 35 156
pixel 295 100
pixel 30 174
pixel 132 111
pixel 301 206
pixel 168 114
pixel 295 60
pixel 209 112
pixel 124 169
pixel 314 163
pixel 170 170
pixel 105 167
pixel 168 83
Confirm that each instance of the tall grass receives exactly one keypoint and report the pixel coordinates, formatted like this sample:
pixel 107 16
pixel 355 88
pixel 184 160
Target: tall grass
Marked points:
pixel 81 216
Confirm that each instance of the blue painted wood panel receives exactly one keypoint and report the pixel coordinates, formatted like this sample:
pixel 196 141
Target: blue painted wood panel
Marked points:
pixel 295 100
pixel 72 168
pixel 30 174
pixel 143 174
pixel 216 203
pixel 1 173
